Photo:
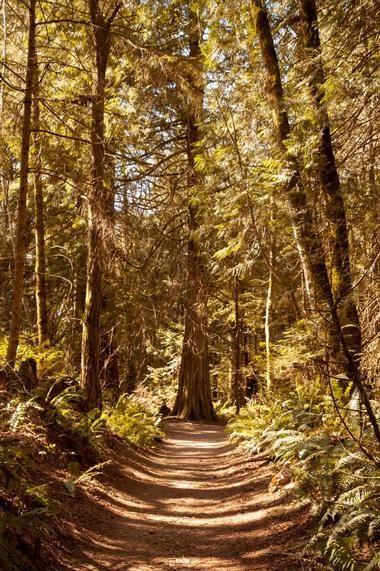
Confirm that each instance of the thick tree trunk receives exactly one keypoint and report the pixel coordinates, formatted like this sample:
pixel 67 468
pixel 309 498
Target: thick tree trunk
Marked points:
pixel 193 399
pixel 90 378
pixel 335 211
pixel 39 228
pixel 20 245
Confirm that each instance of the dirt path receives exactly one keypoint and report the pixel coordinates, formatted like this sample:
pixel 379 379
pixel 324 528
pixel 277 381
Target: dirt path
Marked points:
pixel 193 502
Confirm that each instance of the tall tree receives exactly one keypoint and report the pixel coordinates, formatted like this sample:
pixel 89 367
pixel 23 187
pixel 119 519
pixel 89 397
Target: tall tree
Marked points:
pixel 269 301
pixel 237 361
pixel 193 399
pixel 341 276
pixel 96 208
pixel 308 242
pixel 21 225
pixel 39 224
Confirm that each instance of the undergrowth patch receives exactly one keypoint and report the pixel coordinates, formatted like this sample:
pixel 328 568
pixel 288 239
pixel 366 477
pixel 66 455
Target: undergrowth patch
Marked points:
pixel 338 475
pixel 49 449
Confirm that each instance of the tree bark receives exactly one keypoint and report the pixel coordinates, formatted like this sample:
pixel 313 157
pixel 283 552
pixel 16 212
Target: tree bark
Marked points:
pixel 21 225
pixel 307 239
pixel 193 400
pixel 341 277
pixel 300 215
pixel 109 353
pixel 96 210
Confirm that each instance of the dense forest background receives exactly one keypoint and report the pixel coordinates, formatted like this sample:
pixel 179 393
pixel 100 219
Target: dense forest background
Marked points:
pixel 190 211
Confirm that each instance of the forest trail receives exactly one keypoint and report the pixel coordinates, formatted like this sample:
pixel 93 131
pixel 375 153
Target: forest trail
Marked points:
pixel 192 502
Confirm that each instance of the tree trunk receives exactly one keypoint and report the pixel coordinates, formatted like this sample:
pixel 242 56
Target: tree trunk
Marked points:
pixel 193 400
pixel 5 172
pixel 109 354
pixel 109 362
pixel 335 211
pixel 237 377
pixel 268 306
pixel 21 225
pixel 90 379
pixel 39 228
pixel 308 242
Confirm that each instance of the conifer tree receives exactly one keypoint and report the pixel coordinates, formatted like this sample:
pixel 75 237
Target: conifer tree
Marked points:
pixel 21 223
pixel 193 400
pixel 101 20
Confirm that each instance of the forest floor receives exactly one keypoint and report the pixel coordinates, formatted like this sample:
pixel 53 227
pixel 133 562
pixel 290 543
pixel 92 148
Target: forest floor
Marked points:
pixel 191 502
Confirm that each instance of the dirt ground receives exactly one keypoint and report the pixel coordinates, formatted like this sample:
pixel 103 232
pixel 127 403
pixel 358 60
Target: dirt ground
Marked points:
pixel 192 502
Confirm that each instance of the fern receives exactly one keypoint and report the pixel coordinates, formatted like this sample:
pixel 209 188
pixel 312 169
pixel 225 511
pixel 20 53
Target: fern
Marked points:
pixel 20 412
pixel 133 422
pixel 339 558
pixel 374 564
pixel 340 482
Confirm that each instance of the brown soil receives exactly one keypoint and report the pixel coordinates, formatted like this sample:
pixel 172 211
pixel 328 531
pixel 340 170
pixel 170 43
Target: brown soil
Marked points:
pixel 192 502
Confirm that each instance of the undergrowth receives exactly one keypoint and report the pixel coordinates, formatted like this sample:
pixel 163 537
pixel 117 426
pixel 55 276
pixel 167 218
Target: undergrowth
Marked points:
pixel 338 475
pixel 133 422
pixel 49 448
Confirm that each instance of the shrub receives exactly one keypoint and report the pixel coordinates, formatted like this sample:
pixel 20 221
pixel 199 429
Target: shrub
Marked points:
pixel 131 420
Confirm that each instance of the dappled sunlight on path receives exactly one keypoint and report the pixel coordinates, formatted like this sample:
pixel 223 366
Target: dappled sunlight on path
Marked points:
pixel 192 502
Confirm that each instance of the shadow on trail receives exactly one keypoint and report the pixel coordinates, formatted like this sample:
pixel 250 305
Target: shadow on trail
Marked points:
pixel 193 502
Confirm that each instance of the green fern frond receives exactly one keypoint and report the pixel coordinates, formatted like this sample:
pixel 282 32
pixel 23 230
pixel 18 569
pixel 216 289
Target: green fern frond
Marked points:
pixel 339 558
pixel 358 462
pixel 352 524
pixel 374 564
pixel 355 496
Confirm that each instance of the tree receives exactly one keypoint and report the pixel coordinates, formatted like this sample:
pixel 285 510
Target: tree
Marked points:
pixel 39 225
pixel 172 122
pixel 20 242
pixel 193 399
pixel 341 276
pixel 237 361
pixel 97 205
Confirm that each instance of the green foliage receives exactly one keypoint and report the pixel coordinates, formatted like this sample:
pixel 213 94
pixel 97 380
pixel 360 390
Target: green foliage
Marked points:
pixel 26 508
pixel 87 476
pixel 225 410
pixel 34 431
pixel 341 483
pixel 161 380
pixel 239 171
pixel 51 360
pixel 297 346
pixel 131 420
pixel 20 412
